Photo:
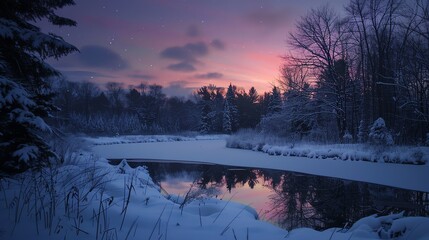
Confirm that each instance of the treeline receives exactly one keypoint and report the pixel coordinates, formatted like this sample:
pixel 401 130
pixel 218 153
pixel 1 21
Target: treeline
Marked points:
pixel 358 76
pixel 145 109
pixel 347 70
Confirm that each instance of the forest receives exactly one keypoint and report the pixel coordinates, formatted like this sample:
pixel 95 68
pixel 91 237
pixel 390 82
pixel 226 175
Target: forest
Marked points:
pixel 356 76
pixel 344 72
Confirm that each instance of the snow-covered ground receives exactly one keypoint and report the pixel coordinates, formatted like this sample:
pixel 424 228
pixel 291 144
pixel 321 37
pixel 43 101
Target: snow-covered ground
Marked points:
pixel 413 177
pixel 346 152
pixel 89 199
pixel 149 138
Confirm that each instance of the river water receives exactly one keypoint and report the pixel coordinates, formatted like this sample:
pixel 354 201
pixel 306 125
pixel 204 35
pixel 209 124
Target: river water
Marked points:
pixel 287 199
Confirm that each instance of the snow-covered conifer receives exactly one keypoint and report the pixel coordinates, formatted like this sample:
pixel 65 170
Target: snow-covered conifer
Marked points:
pixel 347 137
pixel 25 80
pixel 226 121
pixel 362 132
pixel 232 108
pixel 205 126
pixel 275 102
pixel 379 134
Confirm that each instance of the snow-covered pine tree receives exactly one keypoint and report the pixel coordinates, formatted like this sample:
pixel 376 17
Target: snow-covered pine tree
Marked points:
pixel 379 134
pixel 275 102
pixel 25 89
pixel 206 124
pixel 362 132
pixel 232 106
pixel 226 121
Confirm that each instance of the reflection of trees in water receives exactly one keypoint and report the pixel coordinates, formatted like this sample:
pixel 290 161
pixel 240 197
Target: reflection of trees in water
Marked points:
pixel 300 200
pixel 224 176
pixel 320 202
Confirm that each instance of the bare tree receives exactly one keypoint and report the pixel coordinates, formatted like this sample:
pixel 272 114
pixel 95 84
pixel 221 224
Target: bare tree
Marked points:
pixel 321 44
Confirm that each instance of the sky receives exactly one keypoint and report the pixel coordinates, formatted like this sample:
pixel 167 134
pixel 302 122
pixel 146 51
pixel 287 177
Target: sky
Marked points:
pixel 180 44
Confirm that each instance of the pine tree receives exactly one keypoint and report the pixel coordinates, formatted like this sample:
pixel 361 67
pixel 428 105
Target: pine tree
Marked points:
pixel 379 134
pixel 226 123
pixel 206 124
pixel 232 107
pixel 362 132
pixel 25 80
pixel 275 102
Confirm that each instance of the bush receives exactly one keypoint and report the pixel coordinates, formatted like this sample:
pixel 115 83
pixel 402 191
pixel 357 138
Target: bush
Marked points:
pixel 379 134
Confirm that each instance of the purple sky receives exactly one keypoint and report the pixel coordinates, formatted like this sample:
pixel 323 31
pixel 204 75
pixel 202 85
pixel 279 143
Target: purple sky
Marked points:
pixel 181 44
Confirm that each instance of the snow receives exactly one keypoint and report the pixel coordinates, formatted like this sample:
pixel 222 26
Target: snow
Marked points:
pixel 407 176
pixel 26 153
pixel 149 138
pixel 91 203
pixel 379 134
pixel 346 152
pixel 88 199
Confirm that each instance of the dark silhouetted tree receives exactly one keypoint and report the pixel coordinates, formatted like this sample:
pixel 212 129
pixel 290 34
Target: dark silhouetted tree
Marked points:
pixel 25 80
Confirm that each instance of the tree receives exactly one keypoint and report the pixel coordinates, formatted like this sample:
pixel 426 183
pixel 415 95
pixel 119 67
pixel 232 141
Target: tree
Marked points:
pixel 115 93
pixel 25 80
pixel 232 107
pixel 205 126
pixel 227 123
pixel 275 102
pixel 298 110
pixel 379 134
pixel 214 97
pixel 321 38
pixel 249 108
pixel 134 99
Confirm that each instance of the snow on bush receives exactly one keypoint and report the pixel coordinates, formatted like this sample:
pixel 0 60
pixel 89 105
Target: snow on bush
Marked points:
pixel 379 134
pixel 149 138
pixel 347 137
pixel 352 152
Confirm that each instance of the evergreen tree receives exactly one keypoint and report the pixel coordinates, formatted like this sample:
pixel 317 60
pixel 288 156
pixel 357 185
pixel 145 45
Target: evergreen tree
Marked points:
pixel 25 87
pixel 275 102
pixel 232 107
pixel 205 126
pixel 362 132
pixel 226 123
pixel 379 134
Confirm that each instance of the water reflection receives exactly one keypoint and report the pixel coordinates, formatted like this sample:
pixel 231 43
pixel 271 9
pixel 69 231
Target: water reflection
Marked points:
pixel 289 199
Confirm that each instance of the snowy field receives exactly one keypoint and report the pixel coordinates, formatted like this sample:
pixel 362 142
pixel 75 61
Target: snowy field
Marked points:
pixel 86 198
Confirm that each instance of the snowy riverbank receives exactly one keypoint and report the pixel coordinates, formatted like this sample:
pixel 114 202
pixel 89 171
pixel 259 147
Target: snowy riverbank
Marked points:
pixel 90 199
pixel 149 139
pixel 347 152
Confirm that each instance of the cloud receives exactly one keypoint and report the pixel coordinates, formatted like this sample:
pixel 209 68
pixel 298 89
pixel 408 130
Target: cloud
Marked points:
pixel 269 18
pixel 218 44
pixel 101 57
pixel 210 75
pixel 95 57
pixel 182 67
pixel 193 31
pixel 189 52
pixel 178 88
pixel 142 76
pixel 187 55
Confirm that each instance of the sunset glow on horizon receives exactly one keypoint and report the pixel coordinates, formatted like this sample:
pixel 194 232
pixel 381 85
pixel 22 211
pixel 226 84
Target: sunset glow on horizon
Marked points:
pixel 181 45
